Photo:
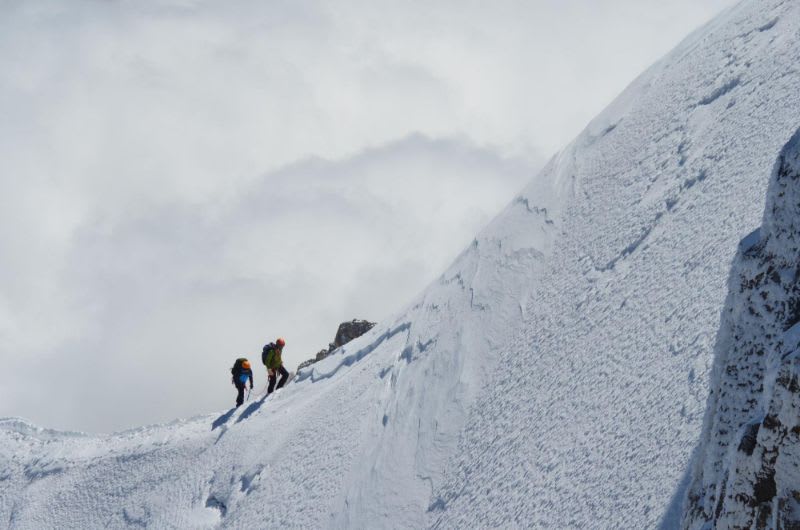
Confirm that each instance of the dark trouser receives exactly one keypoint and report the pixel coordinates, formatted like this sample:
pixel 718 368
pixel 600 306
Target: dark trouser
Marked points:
pixel 284 376
pixel 240 396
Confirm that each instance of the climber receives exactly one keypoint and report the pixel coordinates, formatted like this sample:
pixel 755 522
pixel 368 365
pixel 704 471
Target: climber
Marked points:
pixel 271 357
pixel 240 373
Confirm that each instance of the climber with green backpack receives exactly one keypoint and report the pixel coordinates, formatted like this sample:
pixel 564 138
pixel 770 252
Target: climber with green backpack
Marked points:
pixel 240 373
pixel 271 357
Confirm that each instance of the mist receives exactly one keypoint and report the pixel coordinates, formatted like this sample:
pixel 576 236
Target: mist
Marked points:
pixel 183 181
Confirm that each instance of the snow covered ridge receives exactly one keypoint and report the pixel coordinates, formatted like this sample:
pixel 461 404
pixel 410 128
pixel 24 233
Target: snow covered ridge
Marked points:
pixel 23 427
pixel 747 474
pixel 557 375
pixel 595 420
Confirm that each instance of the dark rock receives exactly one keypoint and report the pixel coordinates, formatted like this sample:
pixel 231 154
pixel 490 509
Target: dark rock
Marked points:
pixel 771 422
pixel 765 488
pixel 758 351
pixel 748 442
pixel 351 330
pixel 347 331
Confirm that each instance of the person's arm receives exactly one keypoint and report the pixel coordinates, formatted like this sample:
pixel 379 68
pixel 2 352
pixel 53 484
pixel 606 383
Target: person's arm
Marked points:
pixel 251 379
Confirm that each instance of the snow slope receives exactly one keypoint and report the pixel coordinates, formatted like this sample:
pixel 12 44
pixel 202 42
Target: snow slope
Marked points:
pixel 593 421
pixel 555 376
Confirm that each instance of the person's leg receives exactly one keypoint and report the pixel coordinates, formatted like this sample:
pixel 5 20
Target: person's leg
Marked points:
pixel 284 376
pixel 240 395
pixel 271 387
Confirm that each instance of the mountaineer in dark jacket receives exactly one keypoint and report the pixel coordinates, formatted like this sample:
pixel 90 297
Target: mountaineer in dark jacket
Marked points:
pixel 240 373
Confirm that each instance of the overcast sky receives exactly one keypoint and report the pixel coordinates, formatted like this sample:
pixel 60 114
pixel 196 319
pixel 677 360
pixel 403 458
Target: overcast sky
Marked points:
pixel 184 180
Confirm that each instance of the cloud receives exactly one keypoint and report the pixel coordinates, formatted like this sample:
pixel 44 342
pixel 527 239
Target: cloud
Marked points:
pixel 167 296
pixel 183 180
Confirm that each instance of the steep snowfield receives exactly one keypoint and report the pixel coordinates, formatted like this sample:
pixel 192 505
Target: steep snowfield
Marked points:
pixel 555 376
pixel 594 417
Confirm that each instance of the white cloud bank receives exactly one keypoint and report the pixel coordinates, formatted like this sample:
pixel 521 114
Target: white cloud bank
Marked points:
pixel 182 181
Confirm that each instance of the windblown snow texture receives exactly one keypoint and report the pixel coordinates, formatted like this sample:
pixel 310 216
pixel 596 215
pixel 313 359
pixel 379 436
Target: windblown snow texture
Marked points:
pixel 748 471
pixel 592 419
pixel 556 376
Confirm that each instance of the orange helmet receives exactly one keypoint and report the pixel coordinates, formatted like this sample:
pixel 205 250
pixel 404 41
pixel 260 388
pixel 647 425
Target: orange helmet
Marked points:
pixel 246 365
pixel 280 342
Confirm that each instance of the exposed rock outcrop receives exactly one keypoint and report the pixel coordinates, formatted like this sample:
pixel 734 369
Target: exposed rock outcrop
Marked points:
pixel 747 473
pixel 347 331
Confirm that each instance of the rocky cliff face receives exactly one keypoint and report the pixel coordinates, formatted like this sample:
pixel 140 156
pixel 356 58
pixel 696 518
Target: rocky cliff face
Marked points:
pixel 747 473
pixel 347 331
